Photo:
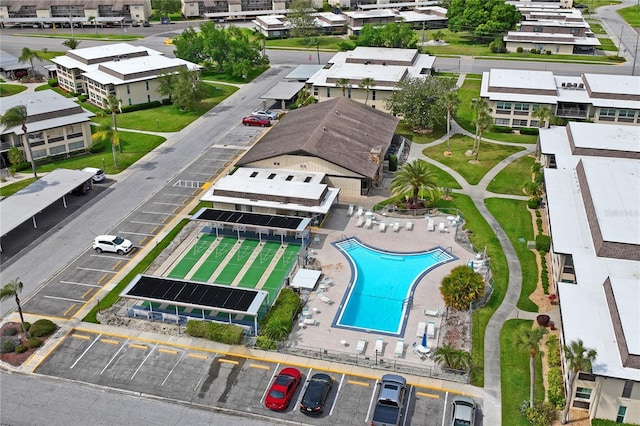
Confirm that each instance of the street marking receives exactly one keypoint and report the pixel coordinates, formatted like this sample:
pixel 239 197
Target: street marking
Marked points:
pixel 117 265
pixel 80 336
pixel 228 361
pixel 335 400
pixel 65 299
pixel 74 283
pixel 143 241
pixel 373 395
pixel 141 364
pixel 85 351
pixel 136 233
pixel 160 213
pixel 198 356
pixel 446 396
pixel 168 351
pixel 166 219
pixel 84 296
pixel 136 346
pixel 188 199
pixel 168 204
pixel 174 367
pixel 69 310
pixel 155 228
pixel 145 223
pixel 112 359
pixel 110 341
pixel 102 278
pixel 177 209
pixel 264 394
pixel 355 382
pixel 428 395
pixel 262 367
pixel 95 270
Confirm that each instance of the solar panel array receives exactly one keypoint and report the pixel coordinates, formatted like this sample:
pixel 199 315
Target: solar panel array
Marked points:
pixel 214 296
pixel 252 219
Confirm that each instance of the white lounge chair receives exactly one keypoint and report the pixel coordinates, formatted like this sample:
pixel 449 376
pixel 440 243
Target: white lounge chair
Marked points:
pixel 430 225
pixel 432 313
pixel 360 221
pixel 323 286
pixel 350 210
pixel 360 346
pixel 441 227
pixel 399 348
pixel 422 326
pixel 360 211
pixel 309 321
pixel 379 345
pixel 326 300
pixel 409 226
pixel 396 226
pixel 431 329
pixel 454 221
pixel 305 312
pixel 368 223
pixel 383 226
pixel 327 281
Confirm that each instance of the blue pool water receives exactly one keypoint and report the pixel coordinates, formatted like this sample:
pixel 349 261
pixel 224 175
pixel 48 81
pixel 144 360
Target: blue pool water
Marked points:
pixel 381 284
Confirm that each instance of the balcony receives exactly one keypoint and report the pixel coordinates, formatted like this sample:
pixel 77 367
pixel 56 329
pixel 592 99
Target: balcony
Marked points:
pixel 571 112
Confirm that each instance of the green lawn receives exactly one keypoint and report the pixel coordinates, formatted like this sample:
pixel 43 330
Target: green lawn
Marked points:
pixel 445 180
pixel 631 15
pixel 482 237
pixel 12 188
pixel 512 178
pixel 11 89
pixel 595 26
pixel 83 36
pixel 514 373
pixel 49 54
pixel 438 131
pixel 607 45
pixel 330 43
pixel 167 118
pixel 490 155
pixel 515 219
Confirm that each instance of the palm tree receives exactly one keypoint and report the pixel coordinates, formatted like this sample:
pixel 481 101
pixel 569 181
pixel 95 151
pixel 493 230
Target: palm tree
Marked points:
pixel 13 289
pixel 483 121
pixel 108 133
pixel 543 113
pixel 530 340
pixel 29 55
pixel 578 359
pixel 450 357
pixel 366 84
pixel 113 105
pixel 343 84
pixel 450 101
pixel 17 116
pixel 415 176
pixel 72 43
pixel 461 287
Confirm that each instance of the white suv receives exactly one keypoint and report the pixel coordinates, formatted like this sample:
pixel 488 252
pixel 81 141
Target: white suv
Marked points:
pixel 112 243
pixel 98 174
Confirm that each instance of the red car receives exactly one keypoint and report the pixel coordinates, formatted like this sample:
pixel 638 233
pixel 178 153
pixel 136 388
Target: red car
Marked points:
pixel 282 389
pixel 252 120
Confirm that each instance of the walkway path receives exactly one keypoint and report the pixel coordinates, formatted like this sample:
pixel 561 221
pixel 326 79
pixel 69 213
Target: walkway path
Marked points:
pixel 492 407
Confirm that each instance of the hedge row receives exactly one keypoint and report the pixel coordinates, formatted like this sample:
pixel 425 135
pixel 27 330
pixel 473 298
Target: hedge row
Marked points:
pixel 556 389
pixel 529 131
pixel 140 107
pixel 216 331
pixel 278 322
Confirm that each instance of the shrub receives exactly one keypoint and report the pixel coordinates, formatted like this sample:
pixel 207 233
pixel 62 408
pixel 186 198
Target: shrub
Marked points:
pixel 541 414
pixel 215 331
pixel 8 344
pixel 33 343
pixel 538 214
pixel 393 163
pixel 42 327
pixel 501 129
pixel 140 107
pixel 548 52
pixel 21 348
pixel 543 243
pixel 27 325
pixel 167 101
pixel 538 220
pixel 553 351
pixel 265 343
pixel 83 98
pixel 519 50
pixel 529 131
pixel 10 331
pixel 533 202
pixel 556 388
pixel 497 46
pixel 603 422
pixel 53 82
pixel 278 322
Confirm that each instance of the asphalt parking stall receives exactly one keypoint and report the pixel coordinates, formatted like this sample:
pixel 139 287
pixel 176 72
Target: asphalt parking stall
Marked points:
pixel 212 379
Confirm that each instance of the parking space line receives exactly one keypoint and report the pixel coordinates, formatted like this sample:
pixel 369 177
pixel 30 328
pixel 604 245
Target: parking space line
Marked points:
pixel 196 191
pixel 110 341
pixel 198 356
pixel 155 229
pixel 355 382
pixel 136 346
pixel 85 351
pixel 142 363
pixel 444 412
pixel 177 209
pixel 83 284
pixel 406 406
pixel 166 219
pixel 145 223
pixel 95 270
pixel 174 367
pixel 262 367
pixel 143 241
pixel 428 395
pixel 112 358
pixel 102 278
pixel 168 351
pixel 264 394
pixel 69 310
pixel 373 395
pixel 160 213
pixel 117 265
pixel 335 400
pixel 84 296
pixel 66 299
pixel 135 233
pixel 228 361
pixel 80 336
pixel 168 204
pixel 186 200
pixel 304 388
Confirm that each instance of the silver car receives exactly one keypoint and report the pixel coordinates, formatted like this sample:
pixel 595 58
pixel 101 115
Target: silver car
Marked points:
pixel 463 411
pixel 266 113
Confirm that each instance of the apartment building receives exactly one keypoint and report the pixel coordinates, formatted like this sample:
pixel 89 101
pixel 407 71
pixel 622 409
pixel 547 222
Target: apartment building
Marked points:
pixel 55 125
pixel 514 95
pixel 592 181
pixel 47 11
pixel 385 66
pixel 129 72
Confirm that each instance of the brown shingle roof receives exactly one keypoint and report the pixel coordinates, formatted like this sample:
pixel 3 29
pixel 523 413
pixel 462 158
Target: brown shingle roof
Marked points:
pixel 341 131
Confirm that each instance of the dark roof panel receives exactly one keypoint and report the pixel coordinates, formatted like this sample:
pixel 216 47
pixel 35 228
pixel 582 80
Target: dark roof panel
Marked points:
pixel 251 219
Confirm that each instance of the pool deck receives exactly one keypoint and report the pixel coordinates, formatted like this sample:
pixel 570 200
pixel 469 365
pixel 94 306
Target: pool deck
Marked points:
pixel 335 266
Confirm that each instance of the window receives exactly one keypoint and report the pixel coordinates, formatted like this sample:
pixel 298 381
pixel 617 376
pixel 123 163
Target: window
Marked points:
pixel 56 139
pixel 583 393
pixel 373 95
pixel 60 149
pixel 521 107
pixel 535 107
pixel 504 106
pixel 628 388
pixel 622 411
pixel 328 92
pixel 129 100
pixel 307 179
pixel 289 178
pixel 537 29
pixel 76 146
pixel 254 174
pixel 271 176
pixel 503 122
pixel 128 90
pixel 148 98
pixel 521 123
pixel 535 123
pixel 147 84
pixel 349 93
pixel 607 112
pixel 626 113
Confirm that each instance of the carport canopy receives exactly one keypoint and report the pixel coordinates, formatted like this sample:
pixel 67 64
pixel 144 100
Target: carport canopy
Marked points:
pixel 31 200
pixel 283 91
pixel 197 295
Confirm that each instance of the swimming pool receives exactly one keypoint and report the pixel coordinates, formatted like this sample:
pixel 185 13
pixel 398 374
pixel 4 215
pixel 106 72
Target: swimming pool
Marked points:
pixel 382 284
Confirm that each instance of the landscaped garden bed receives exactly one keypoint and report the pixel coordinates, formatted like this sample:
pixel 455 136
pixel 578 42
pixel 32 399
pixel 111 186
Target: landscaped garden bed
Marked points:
pixel 16 348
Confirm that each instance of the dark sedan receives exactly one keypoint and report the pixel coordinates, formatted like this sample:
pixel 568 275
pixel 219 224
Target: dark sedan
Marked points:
pixel 315 396
pixel 252 120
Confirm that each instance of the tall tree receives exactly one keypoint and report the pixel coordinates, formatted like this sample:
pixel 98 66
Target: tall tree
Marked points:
pixel 482 121
pixel 113 106
pixel 543 114
pixel 17 116
pixel 189 90
pixel 301 19
pixel 578 359
pixel 530 341
pixel 72 43
pixel 343 84
pixel 165 7
pixel 189 45
pixel 415 177
pixel 29 55
pixel 393 34
pixel 450 101
pixel 108 133
pixel 366 84
pixel 13 289
pixel 461 287
pixel 484 18
pixel 417 101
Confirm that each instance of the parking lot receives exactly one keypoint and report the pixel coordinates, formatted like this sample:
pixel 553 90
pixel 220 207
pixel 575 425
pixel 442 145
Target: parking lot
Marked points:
pixel 212 379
